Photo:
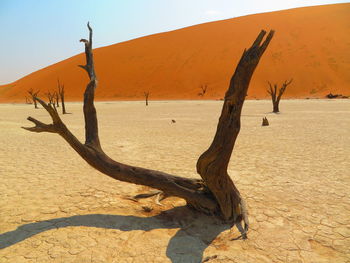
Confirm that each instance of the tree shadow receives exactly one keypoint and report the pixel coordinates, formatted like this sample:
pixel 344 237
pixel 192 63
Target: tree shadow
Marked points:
pixel 196 232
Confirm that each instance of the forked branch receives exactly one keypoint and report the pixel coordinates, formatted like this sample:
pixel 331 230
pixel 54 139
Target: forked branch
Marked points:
pixel 193 191
pixel 283 88
pixel 55 127
pixel 89 67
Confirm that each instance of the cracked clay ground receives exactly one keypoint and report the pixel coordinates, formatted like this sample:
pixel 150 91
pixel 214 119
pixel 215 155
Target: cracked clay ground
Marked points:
pixel 294 175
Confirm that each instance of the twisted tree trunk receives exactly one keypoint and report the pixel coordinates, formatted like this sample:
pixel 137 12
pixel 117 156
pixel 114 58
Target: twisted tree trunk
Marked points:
pixel 215 193
pixel 212 164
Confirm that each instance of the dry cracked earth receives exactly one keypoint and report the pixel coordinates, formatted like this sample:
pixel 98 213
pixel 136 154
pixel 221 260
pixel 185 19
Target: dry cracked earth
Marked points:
pixel 294 175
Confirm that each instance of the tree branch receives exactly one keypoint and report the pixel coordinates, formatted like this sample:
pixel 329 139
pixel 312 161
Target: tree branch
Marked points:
pixel 286 83
pixel 270 91
pixel 283 89
pixel 40 126
pixel 89 67
pixel 91 124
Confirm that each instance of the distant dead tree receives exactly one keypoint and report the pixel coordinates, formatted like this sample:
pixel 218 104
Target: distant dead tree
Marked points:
pixel 33 94
pixel 215 193
pixel 60 92
pixel 28 101
pixel 146 94
pixel 51 97
pixel 203 90
pixel 277 97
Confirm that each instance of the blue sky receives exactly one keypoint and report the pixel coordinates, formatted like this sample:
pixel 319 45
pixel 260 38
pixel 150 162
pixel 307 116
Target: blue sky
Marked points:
pixel 37 33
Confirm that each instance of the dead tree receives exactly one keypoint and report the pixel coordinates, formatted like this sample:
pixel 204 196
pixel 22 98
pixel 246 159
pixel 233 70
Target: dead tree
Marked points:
pixel 51 98
pixel 146 94
pixel 215 193
pixel 60 92
pixel 277 97
pixel 33 94
pixel 203 90
pixel 28 101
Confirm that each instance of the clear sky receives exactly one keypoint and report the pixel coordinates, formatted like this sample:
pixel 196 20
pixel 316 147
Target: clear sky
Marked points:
pixel 37 33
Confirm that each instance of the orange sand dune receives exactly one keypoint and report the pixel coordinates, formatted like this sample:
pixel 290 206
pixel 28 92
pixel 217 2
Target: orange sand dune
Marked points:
pixel 311 45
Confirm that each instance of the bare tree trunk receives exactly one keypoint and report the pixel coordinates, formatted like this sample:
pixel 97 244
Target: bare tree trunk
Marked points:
pixel 57 99
pixel 146 97
pixel 277 97
pixel 275 108
pixel 215 193
pixel 61 95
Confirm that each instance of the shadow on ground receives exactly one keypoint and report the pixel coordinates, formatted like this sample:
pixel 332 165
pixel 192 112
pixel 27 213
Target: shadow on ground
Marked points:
pixel 196 232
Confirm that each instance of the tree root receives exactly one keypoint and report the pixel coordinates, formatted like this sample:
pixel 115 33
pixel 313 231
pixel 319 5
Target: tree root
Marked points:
pixel 244 212
pixel 160 195
pixel 243 216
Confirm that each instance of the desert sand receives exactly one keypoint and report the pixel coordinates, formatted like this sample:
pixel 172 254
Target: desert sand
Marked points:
pixel 311 45
pixel 294 175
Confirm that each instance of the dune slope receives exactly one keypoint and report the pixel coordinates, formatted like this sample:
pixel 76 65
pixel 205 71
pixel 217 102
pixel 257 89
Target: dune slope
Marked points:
pixel 311 45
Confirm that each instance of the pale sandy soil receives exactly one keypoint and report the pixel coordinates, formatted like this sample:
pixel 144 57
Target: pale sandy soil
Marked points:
pixel 294 175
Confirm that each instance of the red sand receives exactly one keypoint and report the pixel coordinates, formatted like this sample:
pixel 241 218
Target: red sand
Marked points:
pixel 311 45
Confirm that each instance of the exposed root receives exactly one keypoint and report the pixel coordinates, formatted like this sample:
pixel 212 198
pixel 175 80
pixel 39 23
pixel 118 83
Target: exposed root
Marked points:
pixel 160 195
pixel 242 216
pixel 244 212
